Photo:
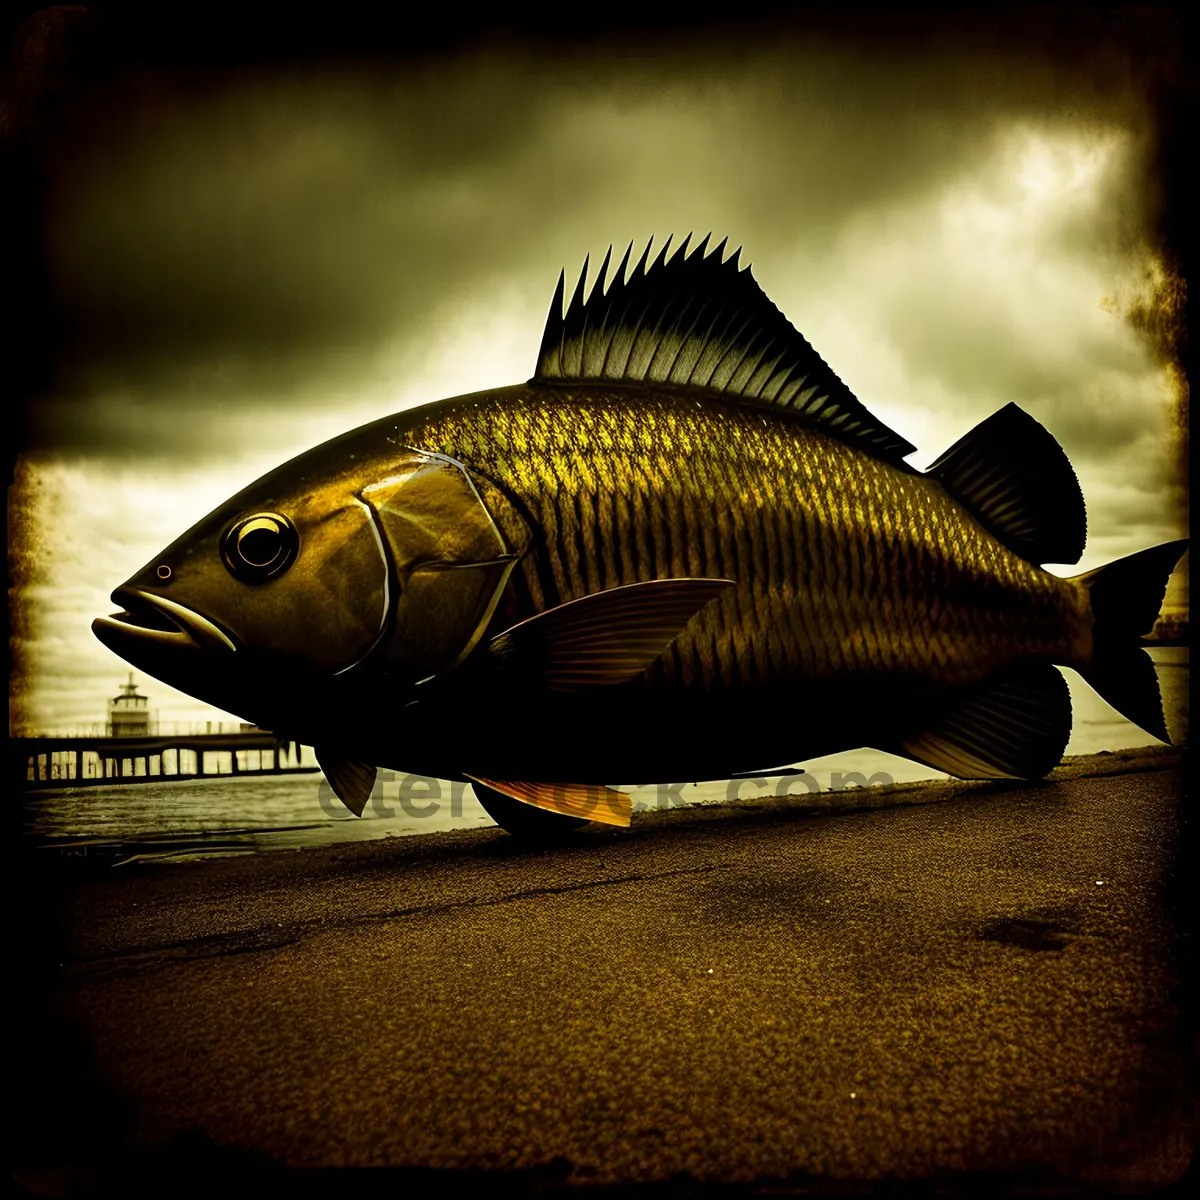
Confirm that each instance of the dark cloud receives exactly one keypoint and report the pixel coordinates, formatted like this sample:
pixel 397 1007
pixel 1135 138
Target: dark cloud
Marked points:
pixel 246 250
pixel 251 238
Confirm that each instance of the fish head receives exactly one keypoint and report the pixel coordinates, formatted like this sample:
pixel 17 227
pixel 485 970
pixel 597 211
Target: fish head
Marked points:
pixel 334 562
pixel 272 593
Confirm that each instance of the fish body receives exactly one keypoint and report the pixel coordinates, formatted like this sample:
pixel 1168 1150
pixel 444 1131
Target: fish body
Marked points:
pixel 861 588
pixel 683 550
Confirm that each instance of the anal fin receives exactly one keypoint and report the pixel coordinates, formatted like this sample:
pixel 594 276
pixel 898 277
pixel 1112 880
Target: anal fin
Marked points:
pixel 352 781
pixel 587 801
pixel 1014 727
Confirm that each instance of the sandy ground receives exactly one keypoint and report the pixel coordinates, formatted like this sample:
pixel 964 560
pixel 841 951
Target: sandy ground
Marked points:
pixel 964 984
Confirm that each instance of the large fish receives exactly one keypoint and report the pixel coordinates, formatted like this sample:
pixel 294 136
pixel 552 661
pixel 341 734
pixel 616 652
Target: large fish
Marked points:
pixel 682 551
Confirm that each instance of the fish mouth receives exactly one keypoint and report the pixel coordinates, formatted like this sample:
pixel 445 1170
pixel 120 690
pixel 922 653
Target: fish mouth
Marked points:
pixel 154 621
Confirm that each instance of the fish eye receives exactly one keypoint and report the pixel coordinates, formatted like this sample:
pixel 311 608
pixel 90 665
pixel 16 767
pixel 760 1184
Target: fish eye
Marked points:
pixel 260 546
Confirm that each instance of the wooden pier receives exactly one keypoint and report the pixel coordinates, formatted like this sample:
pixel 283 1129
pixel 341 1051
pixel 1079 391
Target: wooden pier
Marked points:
pixel 62 762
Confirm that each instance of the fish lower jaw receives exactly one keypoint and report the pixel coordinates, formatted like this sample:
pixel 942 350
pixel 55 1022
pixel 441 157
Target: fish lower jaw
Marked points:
pixel 151 622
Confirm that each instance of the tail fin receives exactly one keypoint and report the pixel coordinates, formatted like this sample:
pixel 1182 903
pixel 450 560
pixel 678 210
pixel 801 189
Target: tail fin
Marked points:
pixel 1126 598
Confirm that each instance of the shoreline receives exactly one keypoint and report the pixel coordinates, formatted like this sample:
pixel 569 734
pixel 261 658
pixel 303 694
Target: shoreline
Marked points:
pixel 929 983
pixel 223 827
pixel 1069 763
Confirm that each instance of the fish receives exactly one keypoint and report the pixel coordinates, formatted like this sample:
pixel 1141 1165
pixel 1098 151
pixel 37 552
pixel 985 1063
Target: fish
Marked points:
pixel 683 550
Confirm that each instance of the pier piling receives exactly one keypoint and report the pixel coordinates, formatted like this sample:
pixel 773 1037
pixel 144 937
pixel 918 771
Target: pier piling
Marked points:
pixel 89 761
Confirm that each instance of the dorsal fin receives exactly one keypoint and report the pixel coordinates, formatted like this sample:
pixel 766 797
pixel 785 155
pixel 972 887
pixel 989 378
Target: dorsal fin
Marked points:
pixel 1017 482
pixel 695 321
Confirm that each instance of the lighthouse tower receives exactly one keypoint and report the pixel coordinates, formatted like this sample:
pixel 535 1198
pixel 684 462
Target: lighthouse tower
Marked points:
pixel 128 714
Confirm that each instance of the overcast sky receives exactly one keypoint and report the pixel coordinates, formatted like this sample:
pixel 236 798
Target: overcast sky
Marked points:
pixel 252 262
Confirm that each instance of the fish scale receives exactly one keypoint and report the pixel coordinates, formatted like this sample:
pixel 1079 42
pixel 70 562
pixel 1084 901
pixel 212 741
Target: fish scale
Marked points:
pixel 851 596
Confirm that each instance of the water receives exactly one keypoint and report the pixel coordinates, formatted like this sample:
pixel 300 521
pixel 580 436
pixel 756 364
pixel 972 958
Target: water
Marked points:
pixel 203 818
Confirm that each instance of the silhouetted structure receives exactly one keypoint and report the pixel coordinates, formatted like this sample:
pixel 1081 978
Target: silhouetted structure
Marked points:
pixel 135 749
pixel 1171 629
pixel 80 761
pixel 129 713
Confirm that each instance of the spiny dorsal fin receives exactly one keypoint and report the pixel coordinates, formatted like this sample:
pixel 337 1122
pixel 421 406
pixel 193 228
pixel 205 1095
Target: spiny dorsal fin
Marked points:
pixel 1017 482
pixel 1015 727
pixel 695 321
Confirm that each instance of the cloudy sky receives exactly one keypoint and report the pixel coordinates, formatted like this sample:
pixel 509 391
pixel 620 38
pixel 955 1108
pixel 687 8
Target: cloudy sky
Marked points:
pixel 245 261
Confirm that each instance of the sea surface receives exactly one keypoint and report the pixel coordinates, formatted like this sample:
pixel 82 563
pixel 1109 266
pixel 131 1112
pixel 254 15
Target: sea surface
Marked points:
pixel 202 818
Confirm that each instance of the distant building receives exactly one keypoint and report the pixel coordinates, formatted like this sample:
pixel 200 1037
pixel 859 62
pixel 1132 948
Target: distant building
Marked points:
pixel 129 713
pixel 1171 629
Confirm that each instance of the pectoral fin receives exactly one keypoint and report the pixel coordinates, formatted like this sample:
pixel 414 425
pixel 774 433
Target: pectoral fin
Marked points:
pixel 589 801
pixel 1015 727
pixel 351 781
pixel 605 638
